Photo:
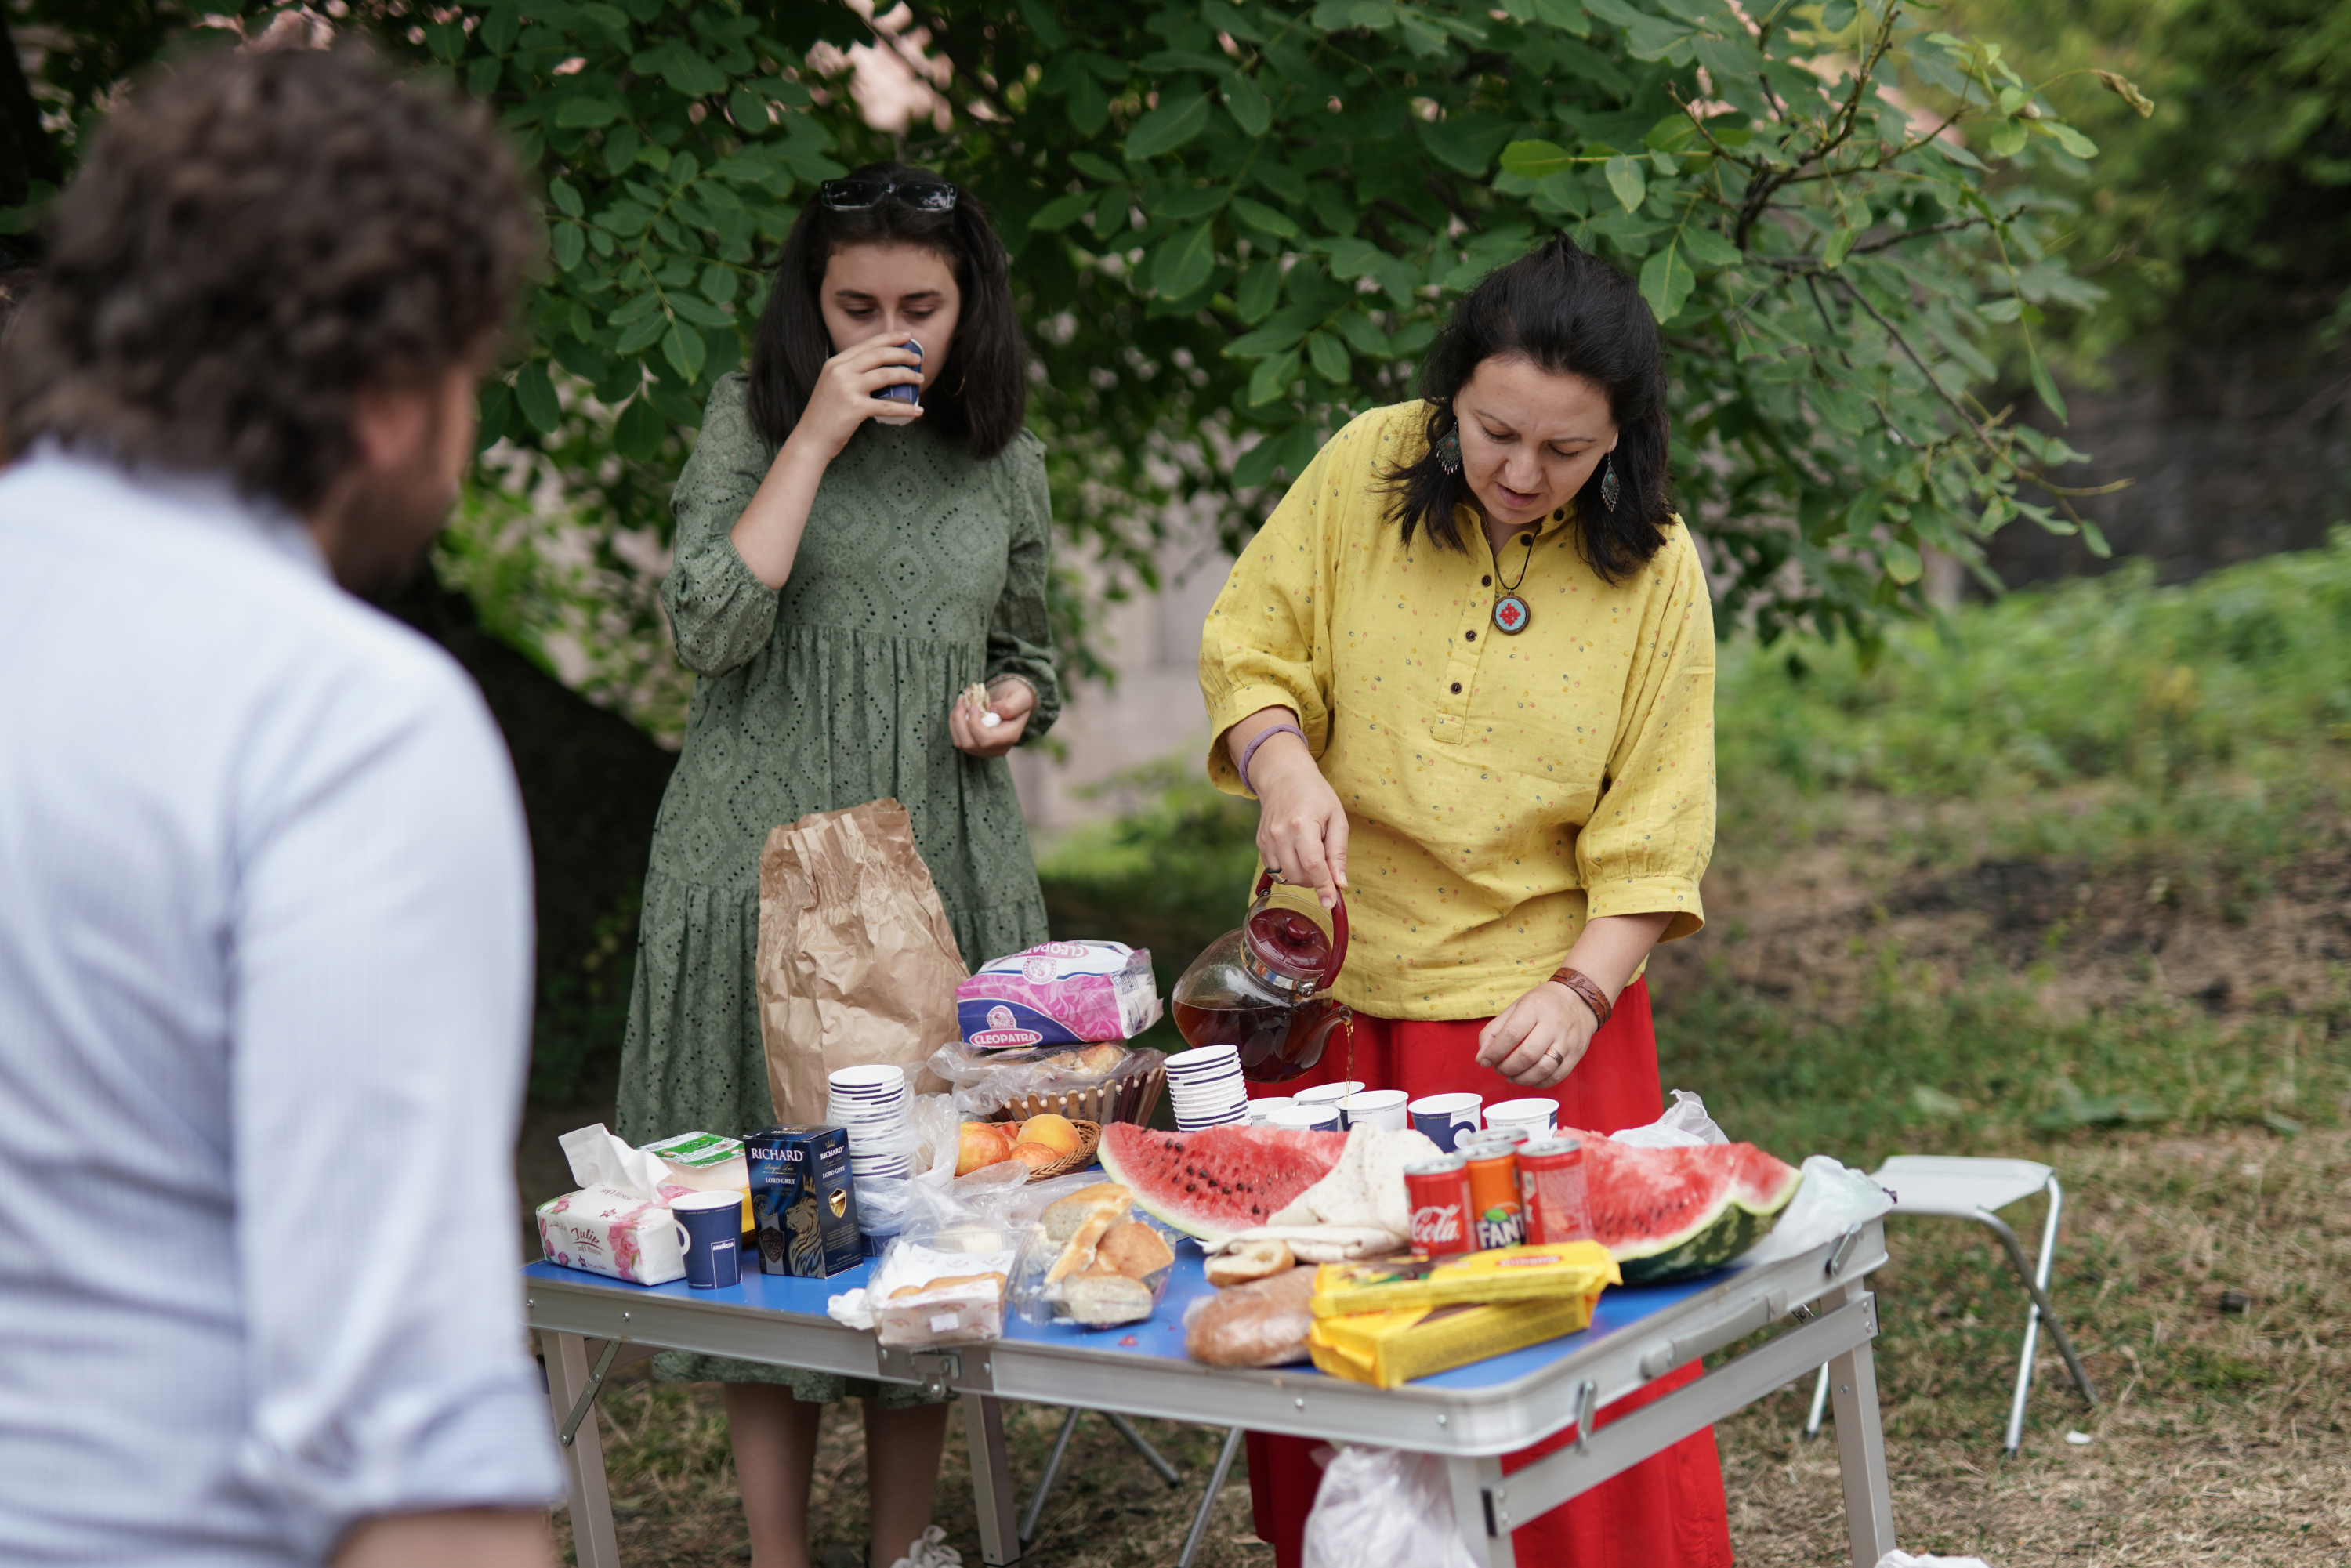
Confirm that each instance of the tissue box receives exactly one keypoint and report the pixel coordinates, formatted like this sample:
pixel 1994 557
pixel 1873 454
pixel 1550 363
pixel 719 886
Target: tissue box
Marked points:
pixel 617 1234
pixel 1059 993
pixel 705 1162
pixel 803 1201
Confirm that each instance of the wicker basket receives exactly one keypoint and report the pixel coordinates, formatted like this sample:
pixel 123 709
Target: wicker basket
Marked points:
pixel 1129 1099
pixel 1089 1139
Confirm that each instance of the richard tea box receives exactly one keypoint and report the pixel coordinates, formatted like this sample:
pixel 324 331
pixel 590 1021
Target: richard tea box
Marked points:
pixel 802 1201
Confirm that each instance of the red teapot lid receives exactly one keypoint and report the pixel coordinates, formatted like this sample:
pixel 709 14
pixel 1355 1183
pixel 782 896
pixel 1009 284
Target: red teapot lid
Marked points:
pixel 1286 948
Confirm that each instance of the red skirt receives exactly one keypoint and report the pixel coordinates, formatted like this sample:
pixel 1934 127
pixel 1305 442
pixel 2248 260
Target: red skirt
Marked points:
pixel 1667 1512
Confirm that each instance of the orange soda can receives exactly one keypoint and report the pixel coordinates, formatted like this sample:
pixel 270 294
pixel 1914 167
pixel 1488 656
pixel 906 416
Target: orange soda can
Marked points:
pixel 1494 1196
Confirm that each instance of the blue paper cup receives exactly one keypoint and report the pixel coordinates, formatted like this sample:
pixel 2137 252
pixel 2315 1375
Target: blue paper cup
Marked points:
pixel 711 1224
pixel 1444 1117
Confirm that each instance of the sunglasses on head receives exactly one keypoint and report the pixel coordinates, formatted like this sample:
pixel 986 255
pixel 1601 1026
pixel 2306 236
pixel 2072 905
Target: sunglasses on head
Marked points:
pixel 855 195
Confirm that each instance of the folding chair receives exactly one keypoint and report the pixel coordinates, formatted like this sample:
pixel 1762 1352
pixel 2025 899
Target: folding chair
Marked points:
pixel 1951 1187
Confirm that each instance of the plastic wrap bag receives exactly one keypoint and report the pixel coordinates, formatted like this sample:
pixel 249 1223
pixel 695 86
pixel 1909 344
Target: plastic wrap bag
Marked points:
pixel 954 1232
pixel 1898 1559
pixel 932 1126
pixel 1685 1125
pixel 1833 1199
pixel 985 1082
pixel 1380 1508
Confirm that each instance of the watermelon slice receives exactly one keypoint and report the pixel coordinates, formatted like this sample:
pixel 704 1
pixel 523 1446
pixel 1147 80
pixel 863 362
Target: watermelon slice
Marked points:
pixel 1666 1214
pixel 1213 1183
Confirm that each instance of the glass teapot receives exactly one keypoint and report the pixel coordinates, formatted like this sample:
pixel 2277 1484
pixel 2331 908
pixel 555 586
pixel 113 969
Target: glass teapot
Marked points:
pixel 1258 989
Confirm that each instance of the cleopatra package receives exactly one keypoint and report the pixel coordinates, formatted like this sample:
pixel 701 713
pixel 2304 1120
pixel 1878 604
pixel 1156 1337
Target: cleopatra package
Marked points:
pixel 803 1200
pixel 1525 1273
pixel 1059 993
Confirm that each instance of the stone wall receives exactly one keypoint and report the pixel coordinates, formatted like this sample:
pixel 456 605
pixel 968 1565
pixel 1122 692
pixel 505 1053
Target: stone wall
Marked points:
pixel 2237 448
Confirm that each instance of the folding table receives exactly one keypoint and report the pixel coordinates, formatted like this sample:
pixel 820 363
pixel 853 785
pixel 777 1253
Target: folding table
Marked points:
pixel 1470 1416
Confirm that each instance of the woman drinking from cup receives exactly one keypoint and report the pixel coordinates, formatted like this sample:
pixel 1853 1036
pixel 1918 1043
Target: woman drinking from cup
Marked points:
pixel 851 562
pixel 1468 670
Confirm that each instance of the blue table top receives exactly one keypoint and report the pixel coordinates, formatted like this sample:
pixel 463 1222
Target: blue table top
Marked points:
pixel 1162 1336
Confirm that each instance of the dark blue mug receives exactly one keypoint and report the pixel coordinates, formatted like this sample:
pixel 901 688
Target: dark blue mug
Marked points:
pixel 710 1225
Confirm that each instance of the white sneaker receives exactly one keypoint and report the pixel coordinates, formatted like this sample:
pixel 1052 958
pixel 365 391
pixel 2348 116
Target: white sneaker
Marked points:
pixel 931 1551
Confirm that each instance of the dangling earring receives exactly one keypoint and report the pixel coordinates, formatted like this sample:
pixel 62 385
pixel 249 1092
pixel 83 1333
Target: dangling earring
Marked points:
pixel 1448 452
pixel 1608 486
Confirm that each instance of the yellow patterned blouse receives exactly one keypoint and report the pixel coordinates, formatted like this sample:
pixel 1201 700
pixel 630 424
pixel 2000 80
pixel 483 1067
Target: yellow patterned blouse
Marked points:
pixel 1500 789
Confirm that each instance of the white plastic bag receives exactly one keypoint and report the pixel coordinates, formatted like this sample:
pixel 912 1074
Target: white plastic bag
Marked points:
pixel 1833 1201
pixel 1898 1559
pixel 1382 1508
pixel 1685 1125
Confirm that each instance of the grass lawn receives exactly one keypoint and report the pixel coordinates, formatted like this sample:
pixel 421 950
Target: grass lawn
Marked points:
pixel 2075 887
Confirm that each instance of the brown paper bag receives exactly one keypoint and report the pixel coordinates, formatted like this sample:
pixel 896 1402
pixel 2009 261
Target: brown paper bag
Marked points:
pixel 857 964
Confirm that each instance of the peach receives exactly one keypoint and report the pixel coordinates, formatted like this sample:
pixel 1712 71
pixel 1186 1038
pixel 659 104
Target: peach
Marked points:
pixel 982 1144
pixel 1057 1133
pixel 1036 1156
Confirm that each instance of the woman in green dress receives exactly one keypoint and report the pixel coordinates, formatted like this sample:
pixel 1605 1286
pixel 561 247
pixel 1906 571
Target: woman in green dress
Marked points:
pixel 839 582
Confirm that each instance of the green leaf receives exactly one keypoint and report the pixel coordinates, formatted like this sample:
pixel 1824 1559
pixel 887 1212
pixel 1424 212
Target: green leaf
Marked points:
pixel 1329 357
pixel 493 409
pixel 498 28
pixel 1840 242
pixel 567 196
pixel 1062 211
pixel 1099 167
pixel 1272 377
pixel 1624 178
pixel 1260 289
pixel 2043 383
pixel 1255 467
pixel 636 310
pixel 569 244
pixel 1257 216
pixel 1533 159
pixel 2006 140
pixel 1169 126
pixel 1246 101
pixel 699 311
pixel 688 73
pixel 588 111
pixel 621 145
pixel 2065 136
pixel 685 350
pixel 1089 106
pixel 640 430
pixel 1567 15
pixel 481 76
pixel 1666 281
pixel 1900 561
pixel 642 335
pixel 2003 309
pixel 1185 263
pixel 535 395
pixel 749 112
pixel 1707 249
pixel 719 284
pixel 1042 22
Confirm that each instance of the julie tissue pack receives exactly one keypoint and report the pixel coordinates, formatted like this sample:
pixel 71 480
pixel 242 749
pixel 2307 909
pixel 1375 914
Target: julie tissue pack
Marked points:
pixel 618 1223
pixel 1059 993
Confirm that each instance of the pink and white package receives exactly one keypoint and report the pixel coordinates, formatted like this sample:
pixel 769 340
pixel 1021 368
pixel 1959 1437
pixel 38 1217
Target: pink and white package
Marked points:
pixel 1059 993
pixel 610 1231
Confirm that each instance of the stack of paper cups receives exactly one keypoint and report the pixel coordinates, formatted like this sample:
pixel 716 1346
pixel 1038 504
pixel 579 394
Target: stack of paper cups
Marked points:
pixel 1207 1089
pixel 873 1103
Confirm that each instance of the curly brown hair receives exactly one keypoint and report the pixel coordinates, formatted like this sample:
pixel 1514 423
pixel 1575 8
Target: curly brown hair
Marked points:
pixel 252 238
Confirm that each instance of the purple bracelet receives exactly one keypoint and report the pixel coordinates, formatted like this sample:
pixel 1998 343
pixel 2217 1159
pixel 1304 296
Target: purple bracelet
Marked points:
pixel 1262 737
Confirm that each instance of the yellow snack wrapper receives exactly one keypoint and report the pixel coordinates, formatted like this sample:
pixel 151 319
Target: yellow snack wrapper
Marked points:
pixel 1388 1348
pixel 1525 1273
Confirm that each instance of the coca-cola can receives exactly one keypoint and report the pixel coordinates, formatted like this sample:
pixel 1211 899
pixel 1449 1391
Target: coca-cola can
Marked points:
pixel 1439 1192
pixel 1551 1191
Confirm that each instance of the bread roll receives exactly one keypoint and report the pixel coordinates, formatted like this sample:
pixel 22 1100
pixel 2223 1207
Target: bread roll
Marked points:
pixel 1262 1323
pixel 1134 1249
pixel 1248 1261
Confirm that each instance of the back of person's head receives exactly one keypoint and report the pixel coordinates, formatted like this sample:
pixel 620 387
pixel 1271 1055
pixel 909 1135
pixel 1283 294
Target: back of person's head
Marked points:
pixel 252 240
pixel 1568 313
pixel 982 397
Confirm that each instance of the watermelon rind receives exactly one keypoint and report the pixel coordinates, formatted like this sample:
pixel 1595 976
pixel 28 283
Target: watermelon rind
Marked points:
pixel 1260 1169
pixel 1754 1189
pixel 1736 1225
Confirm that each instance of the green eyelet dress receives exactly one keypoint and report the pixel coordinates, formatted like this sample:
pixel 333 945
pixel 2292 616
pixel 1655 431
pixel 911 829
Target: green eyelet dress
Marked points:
pixel 920 572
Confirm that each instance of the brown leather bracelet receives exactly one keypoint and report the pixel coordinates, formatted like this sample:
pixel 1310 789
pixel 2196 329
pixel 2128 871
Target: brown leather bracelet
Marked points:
pixel 1585 987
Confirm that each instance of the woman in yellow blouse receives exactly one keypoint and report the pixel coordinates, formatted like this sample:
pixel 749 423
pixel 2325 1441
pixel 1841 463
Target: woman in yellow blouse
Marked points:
pixel 1468 669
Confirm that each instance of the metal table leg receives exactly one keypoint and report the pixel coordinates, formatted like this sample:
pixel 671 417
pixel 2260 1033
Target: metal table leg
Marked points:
pixel 1045 1478
pixel 1861 1449
pixel 569 1380
pixel 991 1480
pixel 1208 1501
pixel 1488 1541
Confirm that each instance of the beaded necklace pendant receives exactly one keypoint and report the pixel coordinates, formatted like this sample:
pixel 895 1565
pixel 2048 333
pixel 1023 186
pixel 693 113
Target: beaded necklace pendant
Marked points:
pixel 1512 614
